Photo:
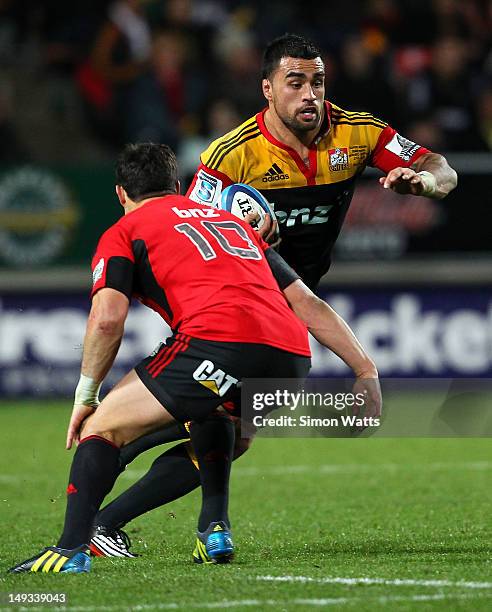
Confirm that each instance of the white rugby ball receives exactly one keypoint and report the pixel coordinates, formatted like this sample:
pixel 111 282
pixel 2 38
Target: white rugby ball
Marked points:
pixel 240 199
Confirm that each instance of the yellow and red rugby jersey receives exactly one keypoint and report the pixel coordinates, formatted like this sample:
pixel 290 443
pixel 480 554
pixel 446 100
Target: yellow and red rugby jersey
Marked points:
pixel 310 201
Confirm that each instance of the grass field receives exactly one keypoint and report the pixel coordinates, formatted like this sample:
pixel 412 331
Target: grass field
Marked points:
pixel 365 524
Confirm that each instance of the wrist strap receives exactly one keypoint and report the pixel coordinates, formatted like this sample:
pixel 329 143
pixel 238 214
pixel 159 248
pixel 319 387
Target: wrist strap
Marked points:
pixel 429 182
pixel 87 392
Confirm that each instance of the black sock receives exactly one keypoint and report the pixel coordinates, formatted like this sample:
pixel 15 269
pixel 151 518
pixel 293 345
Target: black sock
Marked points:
pixel 173 433
pixel 171 476
pixel 95 467
pixel 213 443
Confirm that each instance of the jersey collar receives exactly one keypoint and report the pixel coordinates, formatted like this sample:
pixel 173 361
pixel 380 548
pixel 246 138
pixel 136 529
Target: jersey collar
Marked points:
pixel 308 171
pixel 323 130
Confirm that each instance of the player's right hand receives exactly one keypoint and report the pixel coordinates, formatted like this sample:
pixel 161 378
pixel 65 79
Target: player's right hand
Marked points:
pixel 371 390
pixel 79 414
pixel 268 231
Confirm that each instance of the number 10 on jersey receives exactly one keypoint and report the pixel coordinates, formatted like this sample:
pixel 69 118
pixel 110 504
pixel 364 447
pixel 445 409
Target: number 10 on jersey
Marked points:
pixel 218 230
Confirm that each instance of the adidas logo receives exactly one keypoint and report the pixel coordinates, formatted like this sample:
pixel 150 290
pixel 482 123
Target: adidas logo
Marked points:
pixel 275 173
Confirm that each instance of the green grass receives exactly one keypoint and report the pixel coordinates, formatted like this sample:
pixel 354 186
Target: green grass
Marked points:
pixel 387 509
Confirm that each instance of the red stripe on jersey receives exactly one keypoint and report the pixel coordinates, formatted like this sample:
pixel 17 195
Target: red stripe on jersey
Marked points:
pixel 313 166
pixel 308 171
pixel 162 358
pixel 179 347
pixel 161 355
pixel 158 356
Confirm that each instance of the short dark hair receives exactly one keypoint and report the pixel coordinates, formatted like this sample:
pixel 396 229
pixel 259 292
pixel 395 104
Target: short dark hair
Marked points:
pixel 287 45
pixel 146 169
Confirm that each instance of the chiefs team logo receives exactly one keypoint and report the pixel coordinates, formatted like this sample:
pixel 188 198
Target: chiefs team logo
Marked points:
pixel 339 159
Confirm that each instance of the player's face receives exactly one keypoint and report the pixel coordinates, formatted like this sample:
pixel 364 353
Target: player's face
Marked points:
pixel 297 91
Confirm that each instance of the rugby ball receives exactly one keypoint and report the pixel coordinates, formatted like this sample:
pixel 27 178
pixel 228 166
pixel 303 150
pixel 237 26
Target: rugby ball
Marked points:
pixel 240 199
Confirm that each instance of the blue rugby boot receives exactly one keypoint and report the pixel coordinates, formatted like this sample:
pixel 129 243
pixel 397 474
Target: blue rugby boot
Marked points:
pixel 214 545
pixel 57 560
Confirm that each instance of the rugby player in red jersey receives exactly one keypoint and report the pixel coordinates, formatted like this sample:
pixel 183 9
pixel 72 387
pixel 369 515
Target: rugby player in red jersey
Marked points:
pixel 217 284
pixel 304 154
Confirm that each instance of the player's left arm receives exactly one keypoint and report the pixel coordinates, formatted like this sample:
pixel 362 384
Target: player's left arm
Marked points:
pixel 409 168
pixel 430 176
pixel 334 333
pixel 329 329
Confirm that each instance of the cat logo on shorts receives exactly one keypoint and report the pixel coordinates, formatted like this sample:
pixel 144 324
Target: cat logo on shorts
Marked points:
pixel 213 378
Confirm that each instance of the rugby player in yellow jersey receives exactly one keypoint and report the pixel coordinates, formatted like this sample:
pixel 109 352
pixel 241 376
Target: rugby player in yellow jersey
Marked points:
pixel 304 154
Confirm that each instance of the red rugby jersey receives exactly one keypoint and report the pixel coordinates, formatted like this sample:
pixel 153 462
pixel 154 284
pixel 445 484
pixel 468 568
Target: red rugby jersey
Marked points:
pixel 202 269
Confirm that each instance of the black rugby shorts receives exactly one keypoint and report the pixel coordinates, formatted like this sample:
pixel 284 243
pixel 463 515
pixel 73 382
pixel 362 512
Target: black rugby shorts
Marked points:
pixel 192 377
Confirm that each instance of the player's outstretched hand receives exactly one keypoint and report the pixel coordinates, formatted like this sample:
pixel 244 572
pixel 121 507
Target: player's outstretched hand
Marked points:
pixel 405 180
pixel 268 231
pixel 371 390
pixel 79 414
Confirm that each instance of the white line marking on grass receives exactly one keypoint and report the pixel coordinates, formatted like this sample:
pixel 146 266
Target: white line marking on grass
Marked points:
pixel 341 468
pixel 323 468
pixel 388 599
pixel 10 478
pixel 384 581
pixel 254 603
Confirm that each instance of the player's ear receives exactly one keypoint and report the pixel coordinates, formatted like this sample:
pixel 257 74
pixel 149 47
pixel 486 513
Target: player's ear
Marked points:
pixel 121 194
pixel 178 187
pixel 266 87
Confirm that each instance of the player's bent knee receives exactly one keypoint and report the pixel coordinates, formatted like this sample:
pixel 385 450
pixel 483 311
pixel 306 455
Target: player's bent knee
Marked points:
pixel 92 427
pixel 110 436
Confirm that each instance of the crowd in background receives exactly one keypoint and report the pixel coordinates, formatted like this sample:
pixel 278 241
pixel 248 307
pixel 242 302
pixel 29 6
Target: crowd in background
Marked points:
pixel 79 79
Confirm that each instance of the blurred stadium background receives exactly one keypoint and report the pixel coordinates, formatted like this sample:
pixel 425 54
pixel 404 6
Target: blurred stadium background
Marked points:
pixel 412 276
